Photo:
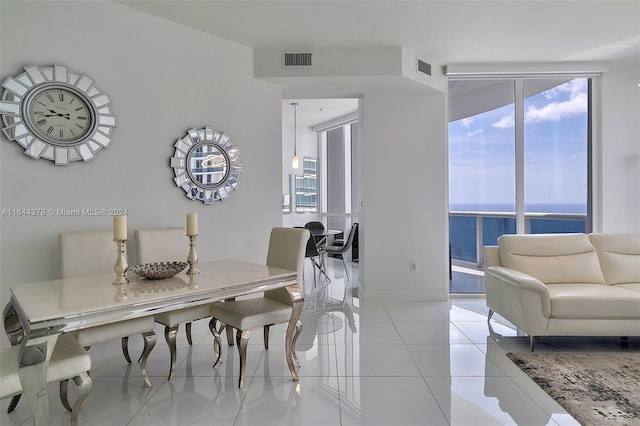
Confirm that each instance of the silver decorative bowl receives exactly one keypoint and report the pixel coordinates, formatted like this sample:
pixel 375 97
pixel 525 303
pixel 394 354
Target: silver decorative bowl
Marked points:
pixel 158 270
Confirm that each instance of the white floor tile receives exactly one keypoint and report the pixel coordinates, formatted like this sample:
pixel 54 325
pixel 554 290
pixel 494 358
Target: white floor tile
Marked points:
pixel 192 401
pixel 383 401
pixel 485 401
pixel 453 360
pixel 367 333
pixel 414 311
pixel 375 361
pixel 434 332
pixel 279 401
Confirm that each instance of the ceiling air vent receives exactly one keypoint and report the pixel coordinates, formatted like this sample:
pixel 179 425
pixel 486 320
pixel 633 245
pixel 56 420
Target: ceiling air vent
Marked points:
pixel 297 59
pixel 424 67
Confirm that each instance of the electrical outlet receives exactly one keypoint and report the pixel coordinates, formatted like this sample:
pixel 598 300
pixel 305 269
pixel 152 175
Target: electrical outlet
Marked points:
pixel 413 265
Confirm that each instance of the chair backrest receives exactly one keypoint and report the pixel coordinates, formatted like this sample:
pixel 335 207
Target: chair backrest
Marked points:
pixel 352 233
pixel 314 225
pixel 161 245
pixel 287 251
pixel 311 250
pixel 86 253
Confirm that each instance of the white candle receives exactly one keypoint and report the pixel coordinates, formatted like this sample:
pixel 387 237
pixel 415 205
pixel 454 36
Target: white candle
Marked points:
pixel 119 227
pixel 192 223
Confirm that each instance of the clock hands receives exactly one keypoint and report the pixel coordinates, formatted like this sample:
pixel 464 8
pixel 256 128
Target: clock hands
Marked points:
pixel 66 115
pixel 55 114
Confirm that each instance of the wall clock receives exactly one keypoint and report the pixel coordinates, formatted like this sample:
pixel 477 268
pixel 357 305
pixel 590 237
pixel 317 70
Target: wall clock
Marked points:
pixel 56 114
pixel 206 165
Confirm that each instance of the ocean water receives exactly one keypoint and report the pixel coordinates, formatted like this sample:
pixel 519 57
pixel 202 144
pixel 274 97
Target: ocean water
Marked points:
pixel 462 229
pixel 574 208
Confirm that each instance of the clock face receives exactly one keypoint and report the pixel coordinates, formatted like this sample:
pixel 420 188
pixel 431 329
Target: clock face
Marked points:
pixel 59 115
pixel 56 114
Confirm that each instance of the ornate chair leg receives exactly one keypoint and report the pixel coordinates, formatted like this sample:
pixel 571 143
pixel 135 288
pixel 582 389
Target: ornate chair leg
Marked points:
pixel 217 342
pixel 64 395
pixel 125 348
pixel 170 334
pixel 293 342
pixel 229 334
pixel 149 342
pixel 83 381
pixel 265 333
pixel 14 402
pixel 242 339
pixel 189 339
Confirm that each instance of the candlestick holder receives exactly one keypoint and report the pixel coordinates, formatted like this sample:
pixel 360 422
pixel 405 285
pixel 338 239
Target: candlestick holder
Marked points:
pixel 193 282
pixel 121 267
pixel 192 258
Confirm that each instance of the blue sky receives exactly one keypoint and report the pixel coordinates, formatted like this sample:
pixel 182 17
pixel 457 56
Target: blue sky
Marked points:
pixel 481 151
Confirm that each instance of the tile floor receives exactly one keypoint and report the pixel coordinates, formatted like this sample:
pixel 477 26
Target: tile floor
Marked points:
pixel 363 363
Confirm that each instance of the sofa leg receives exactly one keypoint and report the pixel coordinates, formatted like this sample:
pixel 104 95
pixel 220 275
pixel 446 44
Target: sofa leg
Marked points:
pixel 490 315
pixel 532 342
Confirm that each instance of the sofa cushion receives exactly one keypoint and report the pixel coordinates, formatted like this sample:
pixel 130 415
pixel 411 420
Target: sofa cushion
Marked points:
pixel 593 301
pixel 552 258
pixel 619 256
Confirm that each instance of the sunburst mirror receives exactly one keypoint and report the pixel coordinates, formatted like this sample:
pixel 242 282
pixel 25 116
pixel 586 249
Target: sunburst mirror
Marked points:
pixel 206 165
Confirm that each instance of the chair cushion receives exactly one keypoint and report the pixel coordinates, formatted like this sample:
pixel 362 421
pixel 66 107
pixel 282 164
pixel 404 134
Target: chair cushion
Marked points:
pixel 619 256
pixel 593 301
pixel 552 258
pixel 68 360
pixel 251 313
pixel 116 330
pixel 173 318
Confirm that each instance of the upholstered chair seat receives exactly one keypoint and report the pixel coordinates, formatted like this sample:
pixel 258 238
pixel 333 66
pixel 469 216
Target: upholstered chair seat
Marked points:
pixel 69 360
pixel 169 245
pixel 251 313
pixel 286 251
pixel 94 252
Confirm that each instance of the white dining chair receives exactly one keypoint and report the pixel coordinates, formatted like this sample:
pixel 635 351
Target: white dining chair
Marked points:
pixel 85 253
pixel 286 251
pixel 69 360
pixel 169 245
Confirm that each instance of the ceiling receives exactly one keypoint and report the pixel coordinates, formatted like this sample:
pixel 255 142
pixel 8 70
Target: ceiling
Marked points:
pixel 311 112
pixel 440 32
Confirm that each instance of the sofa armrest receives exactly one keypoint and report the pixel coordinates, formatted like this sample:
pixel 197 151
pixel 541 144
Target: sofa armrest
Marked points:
pixel 523 281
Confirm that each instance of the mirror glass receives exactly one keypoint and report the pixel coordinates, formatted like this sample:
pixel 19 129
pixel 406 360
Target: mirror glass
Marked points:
pixel 208 165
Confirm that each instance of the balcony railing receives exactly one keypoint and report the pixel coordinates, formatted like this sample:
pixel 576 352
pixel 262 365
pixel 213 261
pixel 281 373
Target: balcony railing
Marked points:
pixel 470 230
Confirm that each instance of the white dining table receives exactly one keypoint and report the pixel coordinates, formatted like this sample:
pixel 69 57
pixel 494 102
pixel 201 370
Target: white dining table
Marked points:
pixel 47 309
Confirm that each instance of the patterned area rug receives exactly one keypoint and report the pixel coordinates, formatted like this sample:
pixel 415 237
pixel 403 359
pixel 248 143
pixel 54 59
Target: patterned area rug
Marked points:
pixel 601 388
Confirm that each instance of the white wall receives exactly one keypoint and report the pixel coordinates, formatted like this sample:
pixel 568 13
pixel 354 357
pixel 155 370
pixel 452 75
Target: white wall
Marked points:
pixel 620 151
pixel 162 79
pixel 404 197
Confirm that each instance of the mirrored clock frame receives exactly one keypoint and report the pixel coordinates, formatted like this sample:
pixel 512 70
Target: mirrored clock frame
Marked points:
pixel 22 91
pixel 206 165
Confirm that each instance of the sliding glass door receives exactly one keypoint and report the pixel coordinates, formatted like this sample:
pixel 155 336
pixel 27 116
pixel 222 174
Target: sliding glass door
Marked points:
pixel 519 160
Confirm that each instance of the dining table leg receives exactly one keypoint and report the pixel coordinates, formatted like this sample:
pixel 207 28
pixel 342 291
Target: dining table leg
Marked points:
pixel 294 328
pixel 33 361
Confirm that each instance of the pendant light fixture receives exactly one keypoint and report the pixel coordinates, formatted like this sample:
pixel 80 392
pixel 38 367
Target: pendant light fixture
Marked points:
pixel 295 163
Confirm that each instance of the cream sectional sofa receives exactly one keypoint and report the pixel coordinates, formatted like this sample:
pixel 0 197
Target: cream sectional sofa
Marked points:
pixel 566 284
